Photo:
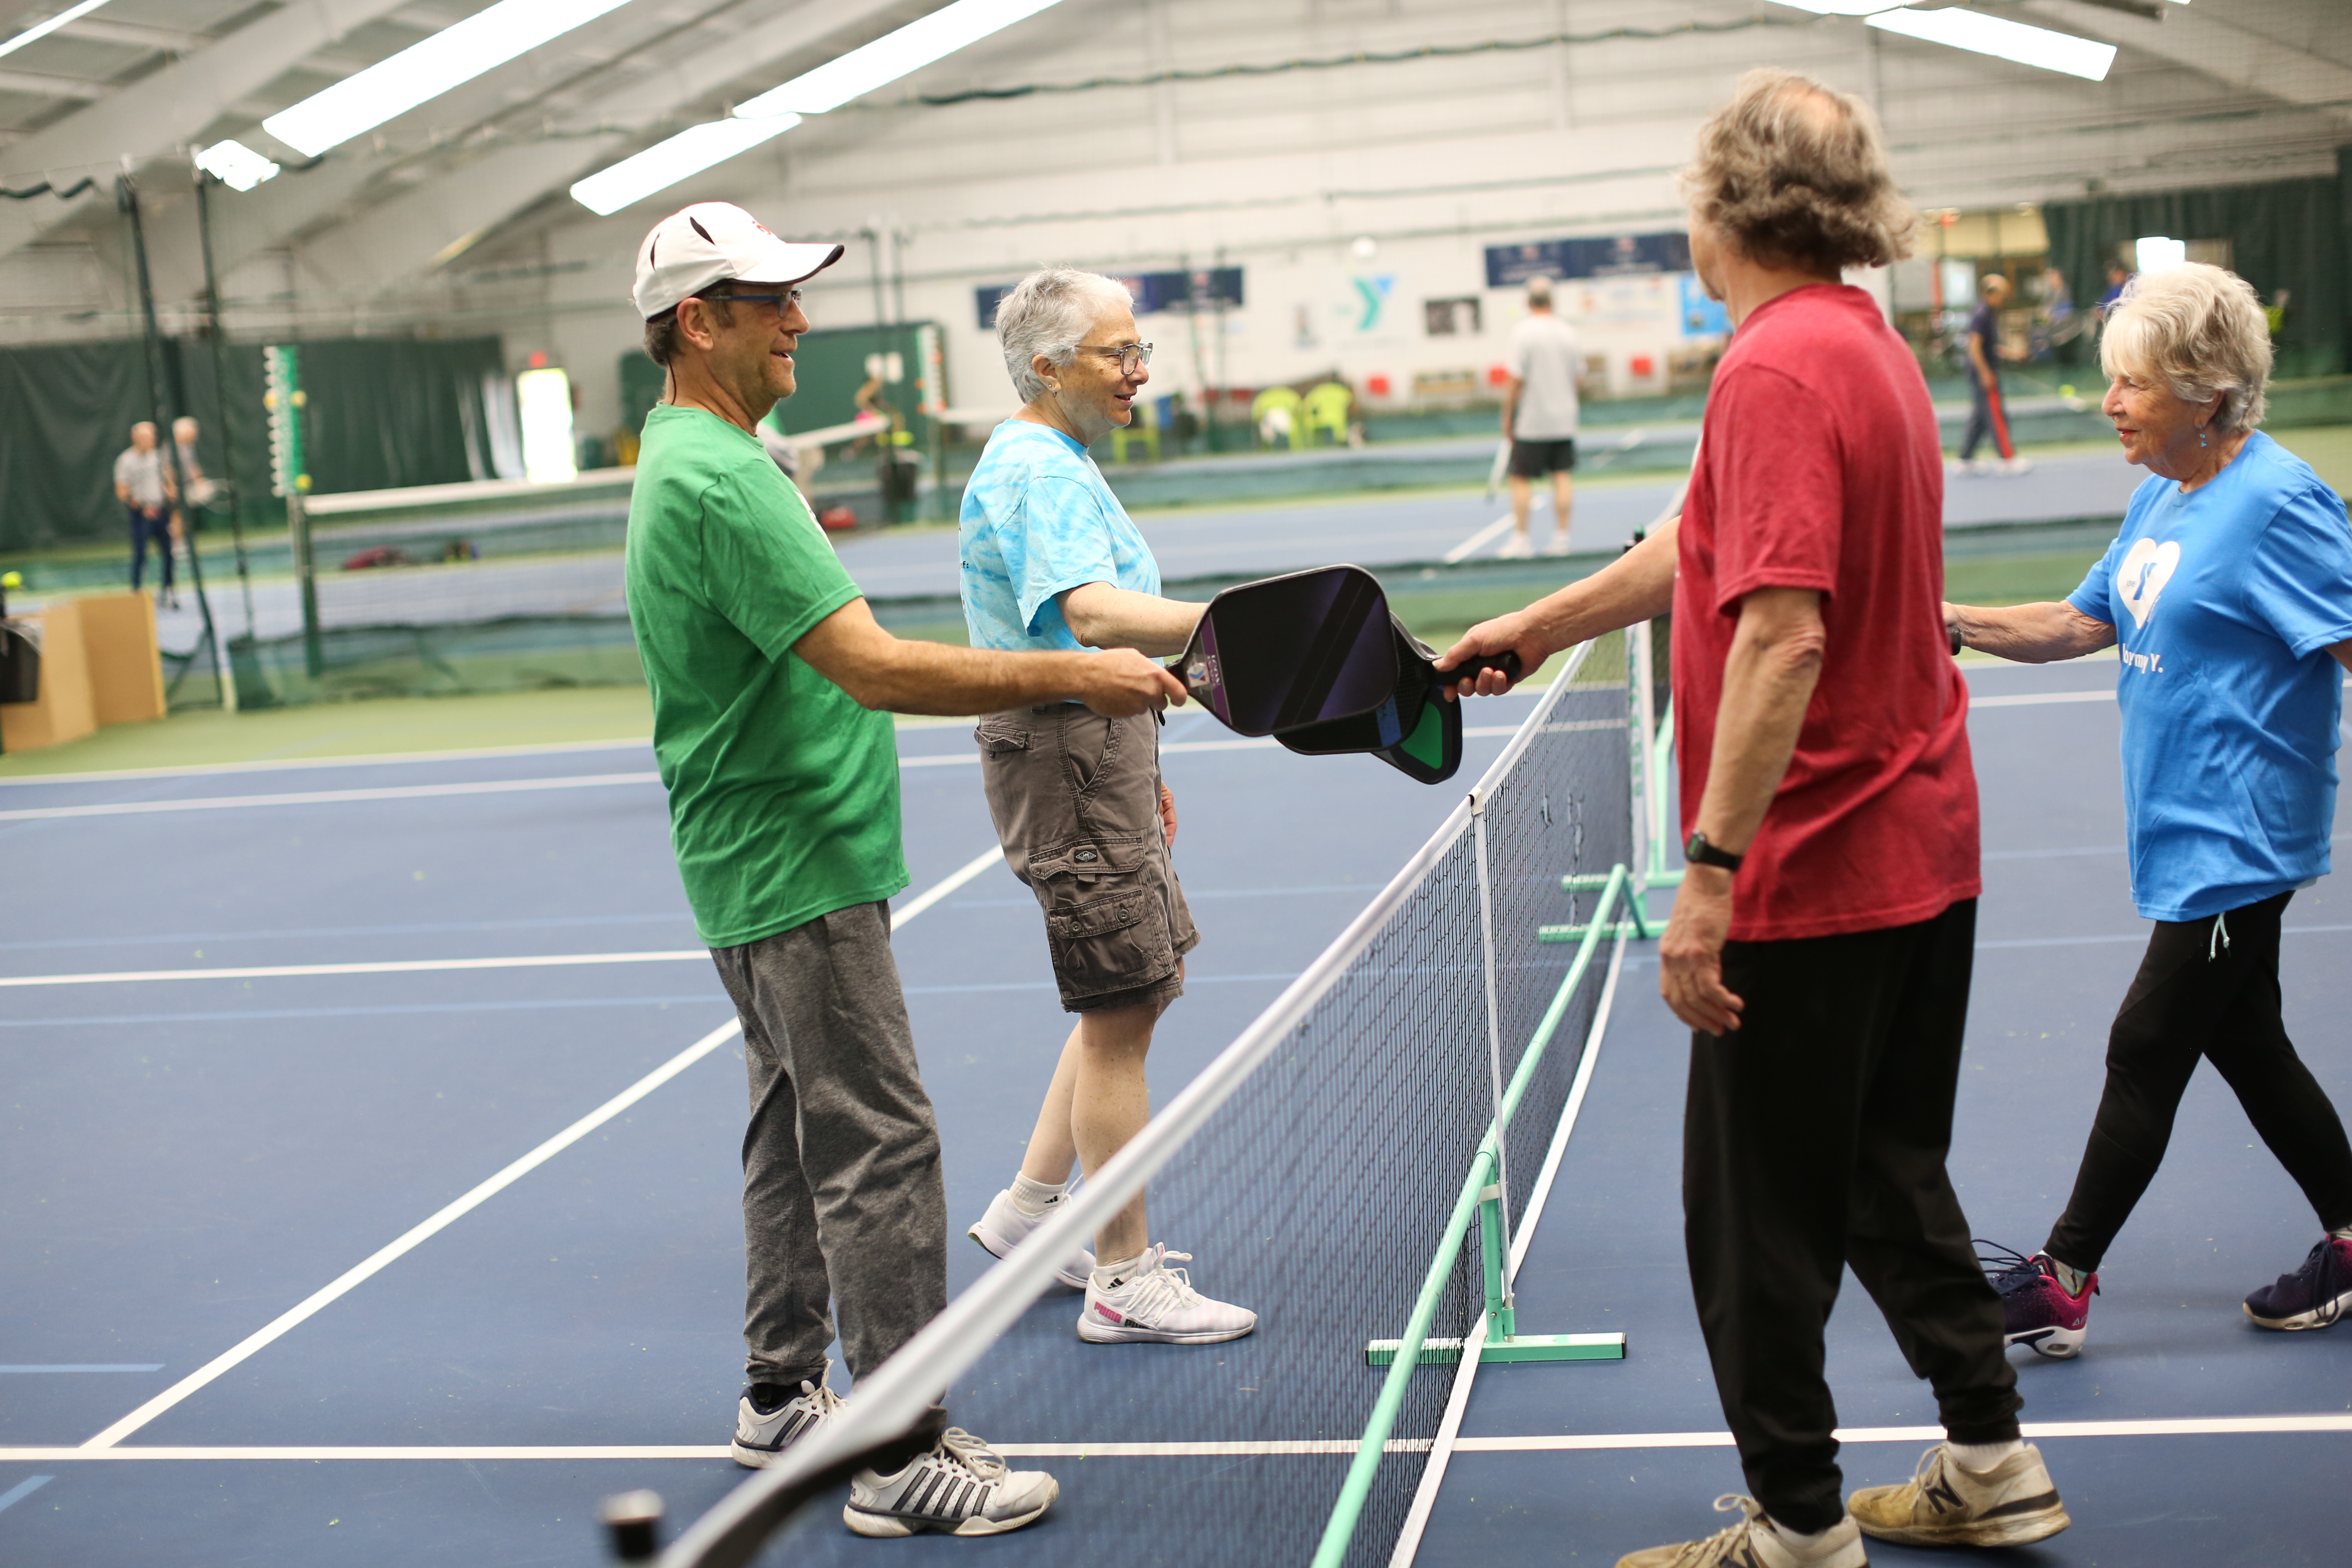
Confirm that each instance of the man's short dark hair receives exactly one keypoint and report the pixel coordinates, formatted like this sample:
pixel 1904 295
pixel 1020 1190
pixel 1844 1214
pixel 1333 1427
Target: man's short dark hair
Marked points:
pixel 661 331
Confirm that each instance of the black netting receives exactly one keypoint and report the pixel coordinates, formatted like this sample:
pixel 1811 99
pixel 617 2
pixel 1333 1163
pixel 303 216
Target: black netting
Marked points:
pixel 1319 1193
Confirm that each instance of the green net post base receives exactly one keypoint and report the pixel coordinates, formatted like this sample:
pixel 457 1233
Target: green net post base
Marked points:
pixel 1502 1342
pixel 1637 929
pixel 1522 1347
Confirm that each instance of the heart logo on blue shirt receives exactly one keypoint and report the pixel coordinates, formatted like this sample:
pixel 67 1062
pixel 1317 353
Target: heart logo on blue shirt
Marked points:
pixel 2139 581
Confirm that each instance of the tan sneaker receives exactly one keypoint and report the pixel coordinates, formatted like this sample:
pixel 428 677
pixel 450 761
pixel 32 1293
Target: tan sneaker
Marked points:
pixel 1754 1543
pixel 1946 1504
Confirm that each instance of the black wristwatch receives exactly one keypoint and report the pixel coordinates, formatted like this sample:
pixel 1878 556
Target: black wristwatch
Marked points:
pixel 1699 852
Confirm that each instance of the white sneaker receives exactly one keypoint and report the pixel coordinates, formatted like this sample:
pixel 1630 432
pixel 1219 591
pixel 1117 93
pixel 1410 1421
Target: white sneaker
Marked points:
pixel 1005 1227
pixel 1558 545
pixel 1755 1543
pixel 1945 1503
pixel 1983 466
pixel 962 1487
pixel 2016 465
pixel 1157 1304
pixel 761 1437
pixel 1518 547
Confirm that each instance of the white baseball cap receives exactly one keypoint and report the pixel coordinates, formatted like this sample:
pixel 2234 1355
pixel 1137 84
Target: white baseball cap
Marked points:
pixel 698 245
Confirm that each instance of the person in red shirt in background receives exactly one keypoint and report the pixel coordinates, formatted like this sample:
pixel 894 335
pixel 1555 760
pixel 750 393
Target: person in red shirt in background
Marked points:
pixel 1820 943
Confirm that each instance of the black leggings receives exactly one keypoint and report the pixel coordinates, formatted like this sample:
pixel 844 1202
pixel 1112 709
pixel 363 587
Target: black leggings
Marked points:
pixel 2206 988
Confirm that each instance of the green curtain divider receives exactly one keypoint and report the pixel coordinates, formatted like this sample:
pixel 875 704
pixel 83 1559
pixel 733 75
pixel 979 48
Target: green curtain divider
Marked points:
pixel 1358 1486
pixel 2294 235
pixel 383 414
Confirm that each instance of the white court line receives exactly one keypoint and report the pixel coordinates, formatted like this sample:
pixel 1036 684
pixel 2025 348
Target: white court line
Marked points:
pixel 512 786
pixel 993 856
pixel 1471 546
pixel 381 966
pixel 2193 1426
pixel 415 1236
pixel 370 760
pixel 2038 699
pixel 451 1213
pixel 329 796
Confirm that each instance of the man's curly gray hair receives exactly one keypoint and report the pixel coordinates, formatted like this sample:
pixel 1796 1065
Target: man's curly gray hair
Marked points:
pixel 1795 174
pixel 2199 331
pixel 1050 313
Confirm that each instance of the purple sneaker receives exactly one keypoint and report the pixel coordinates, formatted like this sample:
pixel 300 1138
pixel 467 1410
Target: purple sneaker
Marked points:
pixel 2314 1296
pixel 2035 1309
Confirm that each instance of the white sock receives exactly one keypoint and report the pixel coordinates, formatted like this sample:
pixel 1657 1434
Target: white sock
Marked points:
pixel 1112 1272
pixel 1982 1458
pixel 1798 1541
pixel 2072 1278
pixel 1034 1198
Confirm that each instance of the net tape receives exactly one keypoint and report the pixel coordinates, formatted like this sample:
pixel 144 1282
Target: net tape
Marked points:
pixel 1312 1169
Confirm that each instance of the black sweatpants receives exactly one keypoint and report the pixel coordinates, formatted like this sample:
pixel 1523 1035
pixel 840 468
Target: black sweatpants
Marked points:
pixel 2210 989
pixel 1814 1137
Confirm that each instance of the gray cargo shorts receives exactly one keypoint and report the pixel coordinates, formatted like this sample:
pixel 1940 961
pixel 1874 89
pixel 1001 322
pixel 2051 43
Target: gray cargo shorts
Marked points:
pixel 1075 797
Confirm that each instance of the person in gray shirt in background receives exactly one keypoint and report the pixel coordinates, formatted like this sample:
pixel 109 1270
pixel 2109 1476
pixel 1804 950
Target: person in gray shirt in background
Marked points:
pixel 143 483
pixel 1539 417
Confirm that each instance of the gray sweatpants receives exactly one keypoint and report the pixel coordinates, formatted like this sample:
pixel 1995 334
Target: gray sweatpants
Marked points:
pixel 843 1201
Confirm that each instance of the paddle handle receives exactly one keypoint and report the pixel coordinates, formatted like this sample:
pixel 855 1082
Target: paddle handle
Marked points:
pixel 1508 663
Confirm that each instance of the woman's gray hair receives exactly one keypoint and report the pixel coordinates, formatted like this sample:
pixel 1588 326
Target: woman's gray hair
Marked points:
pixel 1050 313
pixel 2199 330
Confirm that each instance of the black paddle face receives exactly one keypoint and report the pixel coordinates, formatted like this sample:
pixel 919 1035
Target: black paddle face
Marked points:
pixel 1316 660
pixel 1310 648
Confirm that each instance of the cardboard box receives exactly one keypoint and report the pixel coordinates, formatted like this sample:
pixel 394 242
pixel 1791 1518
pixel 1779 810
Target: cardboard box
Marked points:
pixel 64 711
pixel 126 668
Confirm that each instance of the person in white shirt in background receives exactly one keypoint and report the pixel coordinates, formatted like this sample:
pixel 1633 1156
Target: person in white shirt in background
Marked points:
pixel 143 483
pixel 1540 418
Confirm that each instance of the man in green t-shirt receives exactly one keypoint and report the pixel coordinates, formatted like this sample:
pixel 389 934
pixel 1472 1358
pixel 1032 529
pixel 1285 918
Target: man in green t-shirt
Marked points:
pixel 770 680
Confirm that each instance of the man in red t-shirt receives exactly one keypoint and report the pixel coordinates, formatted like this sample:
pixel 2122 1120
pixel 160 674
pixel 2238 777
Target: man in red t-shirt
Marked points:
pixel 1820 942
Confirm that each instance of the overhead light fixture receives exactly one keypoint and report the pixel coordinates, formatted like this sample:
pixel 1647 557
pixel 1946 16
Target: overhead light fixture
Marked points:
pixel 40 30
pixel 777 111
pixel 236 165
pixel 892 56
pixel 424 71
pixel 1844 7
pixel 665 163
pixel 2155 252
pixel 2002 39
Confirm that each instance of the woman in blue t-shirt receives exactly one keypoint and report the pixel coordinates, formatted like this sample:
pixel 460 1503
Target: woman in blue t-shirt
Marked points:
pixel 2229 589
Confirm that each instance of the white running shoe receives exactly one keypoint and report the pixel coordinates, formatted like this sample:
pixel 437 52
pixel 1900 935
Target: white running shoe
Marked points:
pixel 962 1487
pixel 1157 1304
pixel 1558 545
pixel 1518 547
pixel 1945 1503
pixel 2015 466
pixel 761 1436
pixel 1005 1227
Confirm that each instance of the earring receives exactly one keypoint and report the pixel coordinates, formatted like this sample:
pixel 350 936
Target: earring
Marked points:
pixel 2201 435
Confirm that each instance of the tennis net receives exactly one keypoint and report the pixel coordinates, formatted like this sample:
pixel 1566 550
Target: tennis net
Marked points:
pixel 1343 1163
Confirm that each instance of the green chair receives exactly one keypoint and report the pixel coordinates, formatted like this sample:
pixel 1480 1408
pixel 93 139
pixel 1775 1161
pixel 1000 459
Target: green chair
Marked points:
pixel 1142 430
pixel 1327 408
pixel 1281 400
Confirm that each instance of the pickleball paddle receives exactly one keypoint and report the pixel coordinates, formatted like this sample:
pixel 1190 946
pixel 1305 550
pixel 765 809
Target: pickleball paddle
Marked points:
pixel 1316 661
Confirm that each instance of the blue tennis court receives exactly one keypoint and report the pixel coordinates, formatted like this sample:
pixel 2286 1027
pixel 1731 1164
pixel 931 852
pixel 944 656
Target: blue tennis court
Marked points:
pixel 276 1183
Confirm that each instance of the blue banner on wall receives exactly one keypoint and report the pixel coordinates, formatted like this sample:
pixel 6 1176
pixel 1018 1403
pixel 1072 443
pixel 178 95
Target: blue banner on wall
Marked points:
pixel 1209 288
pixel 1702 317
pixel 1628 253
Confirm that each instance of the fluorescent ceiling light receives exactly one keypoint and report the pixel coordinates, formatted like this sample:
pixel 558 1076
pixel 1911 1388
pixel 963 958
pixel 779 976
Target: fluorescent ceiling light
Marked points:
pixel 424 71
pixel 665 163
pixel 235 163
pixel 892 56
pixel 39 30
pixel 2155 252
pixel 2003 39
pixel 1844 7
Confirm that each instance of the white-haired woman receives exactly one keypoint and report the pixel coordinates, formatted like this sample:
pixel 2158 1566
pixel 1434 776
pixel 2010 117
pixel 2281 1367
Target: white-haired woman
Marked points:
pixel 1051 560
pixel 2230 590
